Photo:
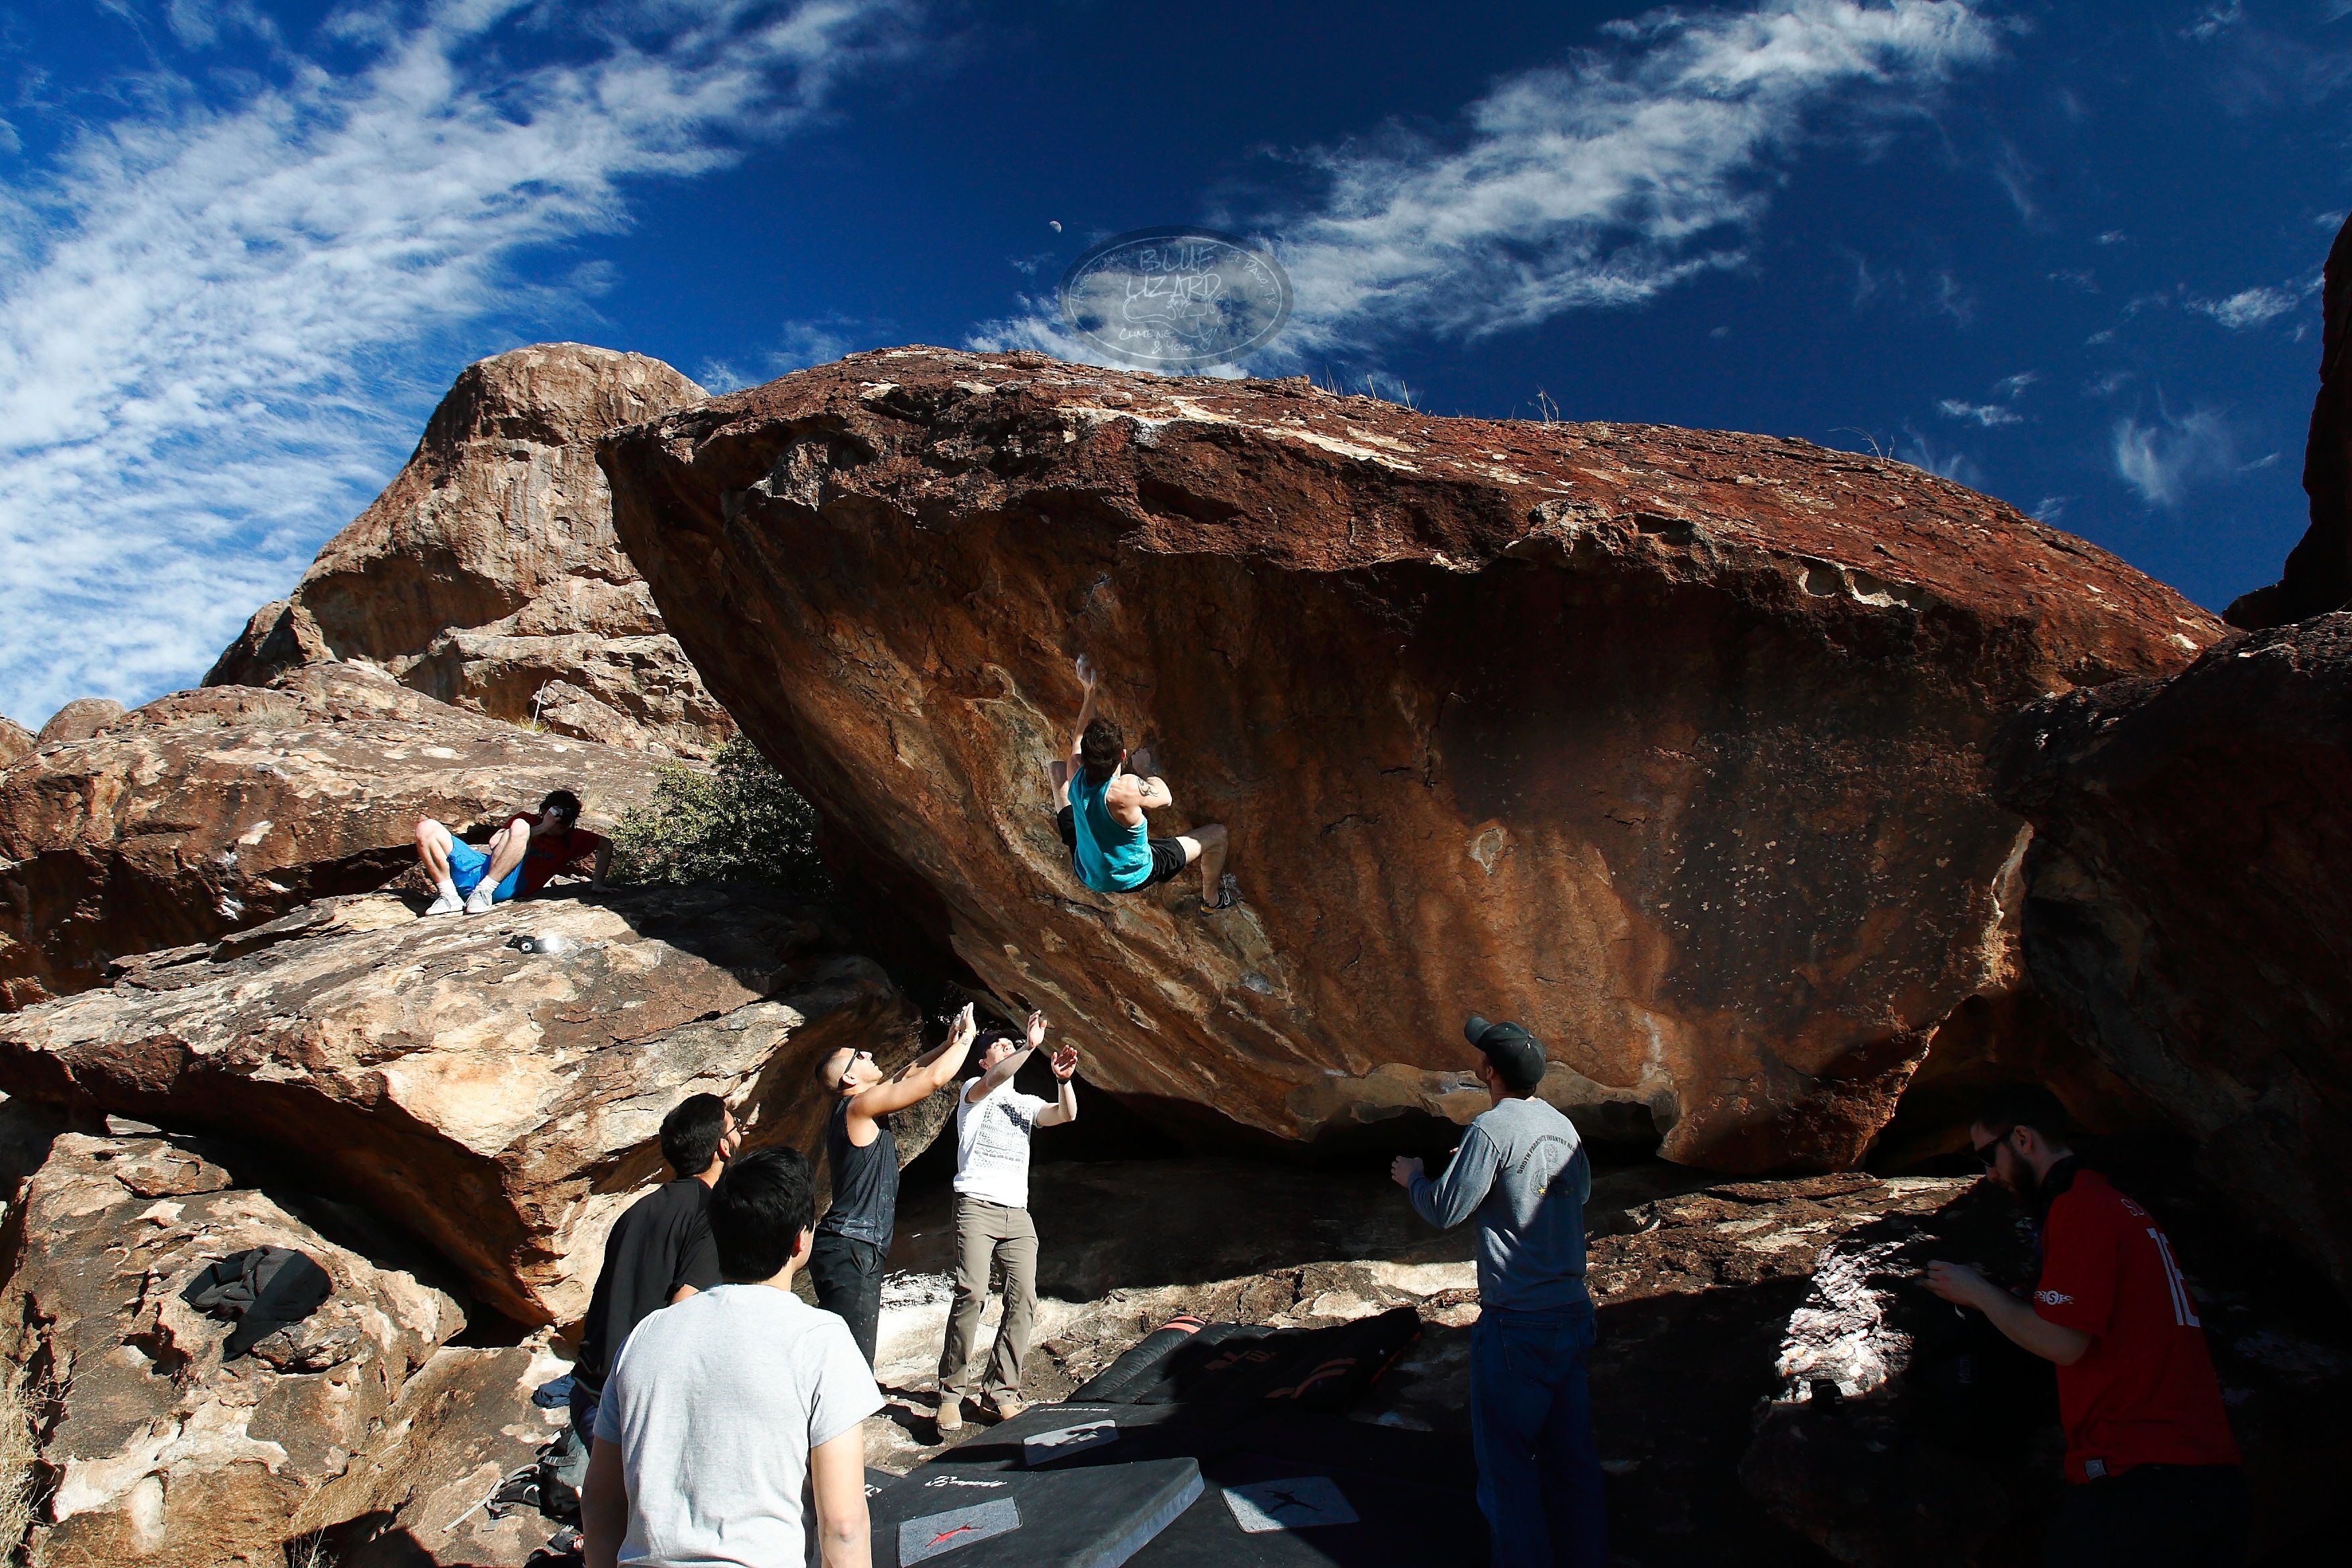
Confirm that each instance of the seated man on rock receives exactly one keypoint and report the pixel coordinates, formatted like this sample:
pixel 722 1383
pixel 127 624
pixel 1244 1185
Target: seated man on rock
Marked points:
pixel 520 859
pixel 1523 1170
pixel 2153 1471
pixel 1100 798
pixel 733 1425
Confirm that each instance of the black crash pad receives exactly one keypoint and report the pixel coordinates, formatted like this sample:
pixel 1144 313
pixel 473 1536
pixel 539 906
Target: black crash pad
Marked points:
pixel 1031 1519
pixel 1302 1488
pixel 1087 1435
pixel 1187 1362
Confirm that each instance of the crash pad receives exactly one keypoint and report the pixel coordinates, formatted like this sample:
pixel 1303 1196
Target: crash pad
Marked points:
pixel 1096 1518
pixel 1085 1435
pixel 1304 1489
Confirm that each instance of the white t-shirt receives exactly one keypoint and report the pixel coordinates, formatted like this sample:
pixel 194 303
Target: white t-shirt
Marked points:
pixel 993 1144
pixel 716 1402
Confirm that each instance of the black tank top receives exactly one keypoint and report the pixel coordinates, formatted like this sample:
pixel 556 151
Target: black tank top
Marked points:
pixel 865 1182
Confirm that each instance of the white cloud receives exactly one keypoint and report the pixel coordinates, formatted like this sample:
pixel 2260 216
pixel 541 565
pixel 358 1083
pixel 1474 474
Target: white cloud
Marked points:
pixel 2010 386
pixel 220 321
pixel 1633 167
pixel 1956 465
pixel 2247 308
pixel 817 340
pixel 2162 459
pixel 1985 413
pixel 2215 20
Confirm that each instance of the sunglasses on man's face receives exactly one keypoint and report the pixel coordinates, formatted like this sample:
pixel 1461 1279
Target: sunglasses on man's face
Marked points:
pixel 1991 1152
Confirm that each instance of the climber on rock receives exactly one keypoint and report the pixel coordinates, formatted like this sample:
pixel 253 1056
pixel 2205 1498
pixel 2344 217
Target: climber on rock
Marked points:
pixel 1100 794
pixel 520 859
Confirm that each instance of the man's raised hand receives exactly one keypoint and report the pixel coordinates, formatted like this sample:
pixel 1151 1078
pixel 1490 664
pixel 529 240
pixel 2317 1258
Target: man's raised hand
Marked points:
pixel 1404 1172
pixel 1087 675
pixel 966 1025
pixel 1037 1031
pixel 1064 1061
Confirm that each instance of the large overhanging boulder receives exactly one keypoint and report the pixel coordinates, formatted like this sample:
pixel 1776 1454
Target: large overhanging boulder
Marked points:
pixel 487 575
pixel 208 811
pixel 1667 742
pixel 164 1449
pixel 502 1105
pixel 2189 907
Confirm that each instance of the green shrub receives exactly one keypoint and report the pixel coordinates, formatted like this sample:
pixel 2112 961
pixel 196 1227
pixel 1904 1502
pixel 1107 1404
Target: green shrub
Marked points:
pixel 740 820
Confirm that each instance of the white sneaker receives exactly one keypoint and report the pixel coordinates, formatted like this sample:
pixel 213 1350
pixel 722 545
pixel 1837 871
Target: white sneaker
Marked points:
pixel 449 903
pixel 477 902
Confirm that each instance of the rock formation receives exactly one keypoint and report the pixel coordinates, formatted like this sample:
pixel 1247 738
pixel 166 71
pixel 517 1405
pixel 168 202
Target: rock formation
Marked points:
pixel 2318 575
pixel 162 1451
pixel 16 741
pixel 1903 1435
pixel 78 720
pixel 2189 907
pixel 462 1424
pixel 208 811
pixel 1666 742
pixel 503 1105
pixel 487 575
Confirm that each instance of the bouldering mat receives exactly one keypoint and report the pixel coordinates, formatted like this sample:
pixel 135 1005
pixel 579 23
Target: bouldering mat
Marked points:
pixel 1300 1489
pixel 1320 1369
pixel 1035 1518
pixel 1086 1434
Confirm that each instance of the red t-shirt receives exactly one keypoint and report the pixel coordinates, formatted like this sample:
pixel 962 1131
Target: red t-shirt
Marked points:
pixel 2144 1394
pixel 551 850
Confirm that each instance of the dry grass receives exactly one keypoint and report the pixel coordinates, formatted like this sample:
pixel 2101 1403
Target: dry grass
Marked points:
pixel 17 1453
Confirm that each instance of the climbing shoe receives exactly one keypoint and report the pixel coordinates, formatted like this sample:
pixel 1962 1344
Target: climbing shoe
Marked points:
pixel 479 901
pixel 449 903
pixel 950 1417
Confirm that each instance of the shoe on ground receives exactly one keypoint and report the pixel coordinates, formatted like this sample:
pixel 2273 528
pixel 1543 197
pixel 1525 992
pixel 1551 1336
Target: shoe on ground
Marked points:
pixel 479 901
pixel 446 904
pixel 1006 1408
pixel 950 1417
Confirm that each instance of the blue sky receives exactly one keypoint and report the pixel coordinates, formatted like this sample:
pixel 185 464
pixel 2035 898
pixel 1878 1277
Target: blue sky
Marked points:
pixel 2066 253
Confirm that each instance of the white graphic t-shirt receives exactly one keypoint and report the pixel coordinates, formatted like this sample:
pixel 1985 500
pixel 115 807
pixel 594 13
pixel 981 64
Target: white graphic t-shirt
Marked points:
pixel 993 1144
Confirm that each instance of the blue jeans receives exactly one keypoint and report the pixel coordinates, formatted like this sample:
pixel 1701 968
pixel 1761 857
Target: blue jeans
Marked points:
pixel 1531 1420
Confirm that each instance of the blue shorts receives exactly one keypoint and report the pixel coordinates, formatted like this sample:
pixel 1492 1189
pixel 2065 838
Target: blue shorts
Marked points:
pixel 466 865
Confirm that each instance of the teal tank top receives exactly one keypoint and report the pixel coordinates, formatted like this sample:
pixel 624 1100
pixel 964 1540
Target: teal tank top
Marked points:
pixel 1111 858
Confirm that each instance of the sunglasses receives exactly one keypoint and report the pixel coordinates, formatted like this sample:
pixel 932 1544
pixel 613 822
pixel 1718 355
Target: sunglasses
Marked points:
pixel 1991 1153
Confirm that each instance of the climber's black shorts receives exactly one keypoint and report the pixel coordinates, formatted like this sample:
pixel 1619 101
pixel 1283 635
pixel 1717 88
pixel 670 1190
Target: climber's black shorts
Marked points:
pixel 1167 854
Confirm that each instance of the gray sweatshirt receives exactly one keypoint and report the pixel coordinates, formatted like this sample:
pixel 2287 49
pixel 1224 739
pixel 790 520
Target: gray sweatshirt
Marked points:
pixel 1524 1172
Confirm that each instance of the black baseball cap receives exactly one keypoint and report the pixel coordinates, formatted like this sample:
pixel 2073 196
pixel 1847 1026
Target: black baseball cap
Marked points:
pixel 1517 1055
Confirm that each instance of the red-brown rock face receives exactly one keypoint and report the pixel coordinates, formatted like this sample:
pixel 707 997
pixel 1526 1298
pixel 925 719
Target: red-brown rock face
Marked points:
pixel 207 811
pixel 487 575
pixel 2190 908
pixel 1666 742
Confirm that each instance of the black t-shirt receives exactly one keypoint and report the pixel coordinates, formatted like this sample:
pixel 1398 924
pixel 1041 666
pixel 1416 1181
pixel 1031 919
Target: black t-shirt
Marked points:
pixel 661 1243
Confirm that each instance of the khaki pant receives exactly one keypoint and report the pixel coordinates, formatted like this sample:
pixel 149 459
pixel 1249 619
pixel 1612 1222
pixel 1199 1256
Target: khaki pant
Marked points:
pixel 990 1238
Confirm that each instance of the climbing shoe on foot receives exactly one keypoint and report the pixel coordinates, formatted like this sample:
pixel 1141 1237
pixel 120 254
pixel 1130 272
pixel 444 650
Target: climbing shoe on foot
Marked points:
pixel 479 901
pixel 950 1417
pixel 449 903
